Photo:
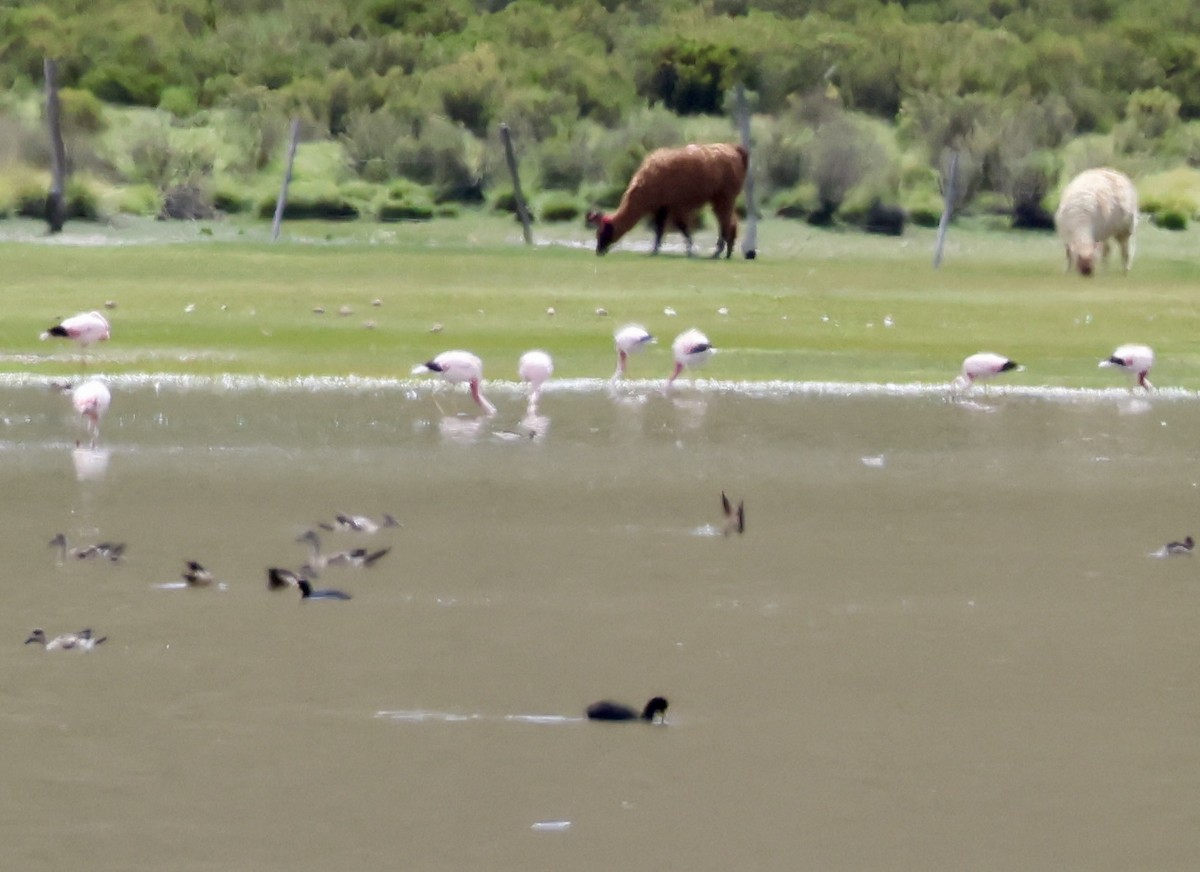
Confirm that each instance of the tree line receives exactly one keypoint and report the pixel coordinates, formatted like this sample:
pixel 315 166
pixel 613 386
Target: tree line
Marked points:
pixel 855 101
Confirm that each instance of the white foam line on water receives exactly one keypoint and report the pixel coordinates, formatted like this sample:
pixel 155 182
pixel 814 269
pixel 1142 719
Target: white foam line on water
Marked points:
pixel 418 716
pixel 766 389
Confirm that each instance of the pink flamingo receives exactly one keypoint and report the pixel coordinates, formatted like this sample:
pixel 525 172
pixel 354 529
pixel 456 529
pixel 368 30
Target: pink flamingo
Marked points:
pixel 630 339
pixel 84 328
pixel 1135 360
pixel 692 350
pixel 981 367
pixel 91 400
pixel 534 368
pixel 457 367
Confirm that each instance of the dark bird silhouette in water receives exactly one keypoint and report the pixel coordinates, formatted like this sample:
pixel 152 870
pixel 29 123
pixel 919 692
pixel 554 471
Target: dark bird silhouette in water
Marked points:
pixel 279 578
pixel 1184 547
pixel 113 551
pixel 606 710
pixel 735 521
pixel 307 592
pixel 196 575
pixel 81 641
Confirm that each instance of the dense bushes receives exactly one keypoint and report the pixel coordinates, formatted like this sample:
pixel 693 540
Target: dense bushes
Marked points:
pixel 857 102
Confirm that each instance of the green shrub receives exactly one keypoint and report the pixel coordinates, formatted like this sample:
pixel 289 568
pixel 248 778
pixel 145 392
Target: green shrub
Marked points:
pixel 563 164
pixel 1171 219
pixel 504 200
pixel 82 200
pixel 187 202
pixel 795 202
pixel 129 84
pixel 141 200
pixel 180 102
pixel 404 210
pixel 405 200
pixel 233 197
pixel 603 195
pixel 81 111
pixel 312 200
pixel 557 206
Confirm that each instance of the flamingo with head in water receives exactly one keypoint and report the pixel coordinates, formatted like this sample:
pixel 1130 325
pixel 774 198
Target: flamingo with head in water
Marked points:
pixel 91 400
pixel 628 340
pixel 458 367
pixel 84 329
pixel 1136 360
pixel 692 350
pixel 981 367
pixel 535 367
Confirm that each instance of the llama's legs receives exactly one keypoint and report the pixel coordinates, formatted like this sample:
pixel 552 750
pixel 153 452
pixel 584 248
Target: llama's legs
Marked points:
pixel 660 225
pixel 1126 251
pixel 686 230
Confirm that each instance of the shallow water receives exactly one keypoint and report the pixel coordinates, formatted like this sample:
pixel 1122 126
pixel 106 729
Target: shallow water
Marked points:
pixel 941 643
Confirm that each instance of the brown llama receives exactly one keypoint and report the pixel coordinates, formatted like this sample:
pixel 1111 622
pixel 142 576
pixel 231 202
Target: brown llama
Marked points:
pixel 671 185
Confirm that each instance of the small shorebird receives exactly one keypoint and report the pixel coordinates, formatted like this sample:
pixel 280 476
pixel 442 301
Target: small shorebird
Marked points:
pixel 318 560
pixel 359 523
pixel 1136 360
pixel 605 710
pixel 279 578
pixel 981 367
pixel 113 551
pixel 1176 548
pixel 81 641
pixel 196 575
pixel 735 520
pixel 457 367
pixel 628 340
pixel 692 350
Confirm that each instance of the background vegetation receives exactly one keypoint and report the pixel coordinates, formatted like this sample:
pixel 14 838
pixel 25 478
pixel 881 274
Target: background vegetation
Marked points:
pixel 179 108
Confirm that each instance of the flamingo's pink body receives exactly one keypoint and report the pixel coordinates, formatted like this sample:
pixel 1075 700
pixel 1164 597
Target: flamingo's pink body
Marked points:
pixel 691 349
pixel 84 328
pixel 91 400
pixel 460 367
pixel 981 367
pixel 1137 360
pixel 534 368
pixel 630 339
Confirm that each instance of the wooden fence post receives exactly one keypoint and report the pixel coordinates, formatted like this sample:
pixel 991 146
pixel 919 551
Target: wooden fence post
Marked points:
pixel 506 138
pixel 750 240
pixel 281 203
pixel 947 209
pixel 56 208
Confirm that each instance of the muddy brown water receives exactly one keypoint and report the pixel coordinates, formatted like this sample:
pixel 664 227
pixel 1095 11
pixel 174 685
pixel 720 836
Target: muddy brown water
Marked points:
pixel 940 644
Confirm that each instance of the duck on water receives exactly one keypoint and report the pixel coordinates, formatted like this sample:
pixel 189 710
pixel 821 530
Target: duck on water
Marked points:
pixel 606 710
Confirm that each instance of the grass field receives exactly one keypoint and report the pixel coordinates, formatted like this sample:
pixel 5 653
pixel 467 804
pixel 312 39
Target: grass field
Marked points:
pixel 220 298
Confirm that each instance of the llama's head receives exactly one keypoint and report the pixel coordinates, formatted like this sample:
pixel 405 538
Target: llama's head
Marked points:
pixel 604 230
pixel 1085 258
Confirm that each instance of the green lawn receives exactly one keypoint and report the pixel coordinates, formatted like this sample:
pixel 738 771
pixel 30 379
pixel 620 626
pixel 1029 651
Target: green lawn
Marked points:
pixel 815 305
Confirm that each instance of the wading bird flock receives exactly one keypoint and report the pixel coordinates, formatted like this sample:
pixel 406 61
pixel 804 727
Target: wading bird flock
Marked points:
pixel 690 351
